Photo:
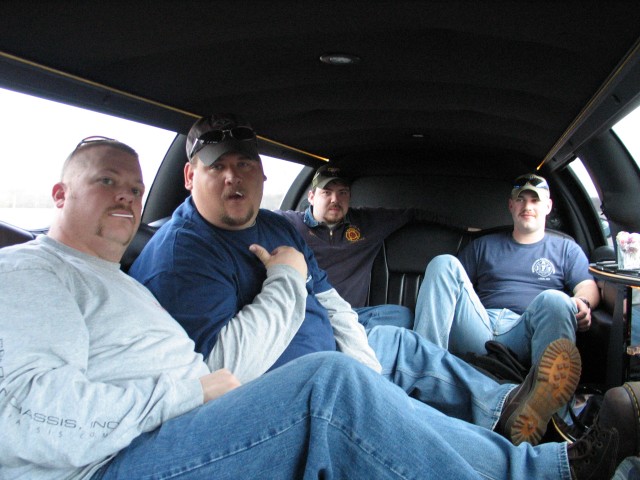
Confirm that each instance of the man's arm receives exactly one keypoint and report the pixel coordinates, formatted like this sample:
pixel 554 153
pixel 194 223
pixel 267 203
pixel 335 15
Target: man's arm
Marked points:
pixel 585 290
pixel 251 342
pixel 350 335
pixel 217 383
pixel 53 410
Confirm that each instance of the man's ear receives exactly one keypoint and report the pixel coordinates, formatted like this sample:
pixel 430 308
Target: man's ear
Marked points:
pixel 310 195
pixel 188 176
pixel 59 194
pixel 549 206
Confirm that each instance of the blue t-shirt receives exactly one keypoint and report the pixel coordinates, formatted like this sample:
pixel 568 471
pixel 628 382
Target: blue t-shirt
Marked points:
pixel 204 275
pixel 508 274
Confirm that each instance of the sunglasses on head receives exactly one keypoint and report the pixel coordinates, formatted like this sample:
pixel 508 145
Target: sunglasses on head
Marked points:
pixel 94 139
pixel 532 180
pixel 217 136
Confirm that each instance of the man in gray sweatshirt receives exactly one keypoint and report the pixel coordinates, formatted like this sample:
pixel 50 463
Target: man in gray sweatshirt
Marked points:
pixel 98 381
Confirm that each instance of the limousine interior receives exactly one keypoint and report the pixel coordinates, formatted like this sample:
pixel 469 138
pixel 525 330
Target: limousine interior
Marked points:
pixel 436 105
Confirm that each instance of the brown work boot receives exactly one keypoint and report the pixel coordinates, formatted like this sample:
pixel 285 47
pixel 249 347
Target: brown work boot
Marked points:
pixel 548 386
pixel 621 410
pixel 594 456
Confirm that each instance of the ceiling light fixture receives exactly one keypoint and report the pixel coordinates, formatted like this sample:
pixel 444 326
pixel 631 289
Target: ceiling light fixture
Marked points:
pixel 339 59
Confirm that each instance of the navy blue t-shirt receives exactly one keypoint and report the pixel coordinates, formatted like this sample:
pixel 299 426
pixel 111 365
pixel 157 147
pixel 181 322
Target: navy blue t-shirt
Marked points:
pixel 498 267
pixel 204 275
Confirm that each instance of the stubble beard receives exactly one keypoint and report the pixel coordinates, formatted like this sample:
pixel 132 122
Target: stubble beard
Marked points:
pixel 100 229
pixel 230 221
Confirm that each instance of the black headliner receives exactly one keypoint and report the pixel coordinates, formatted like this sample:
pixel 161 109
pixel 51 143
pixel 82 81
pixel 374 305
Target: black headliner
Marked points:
pixel 491 83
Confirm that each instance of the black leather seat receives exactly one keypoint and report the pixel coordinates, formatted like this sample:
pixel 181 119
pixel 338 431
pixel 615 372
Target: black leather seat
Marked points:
pixel 143 235
pixel 12 235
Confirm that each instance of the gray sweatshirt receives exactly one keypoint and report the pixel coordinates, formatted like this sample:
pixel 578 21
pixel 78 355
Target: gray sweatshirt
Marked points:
pixel 88 361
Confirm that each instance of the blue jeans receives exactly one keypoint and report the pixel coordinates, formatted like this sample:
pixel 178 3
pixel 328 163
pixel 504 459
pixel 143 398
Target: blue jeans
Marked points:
pixel 450 314
pixel 326 416
pixel 395 315
pixel 434 376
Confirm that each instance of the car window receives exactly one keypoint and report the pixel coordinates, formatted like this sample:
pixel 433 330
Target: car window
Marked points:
pixel 280 175
pixel 37 137
pixel 578 168
pixel 38 134
pixel 627 131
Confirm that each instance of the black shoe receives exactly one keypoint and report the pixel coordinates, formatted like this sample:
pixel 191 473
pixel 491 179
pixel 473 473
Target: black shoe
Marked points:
pixel 621 410
pixel 594 456
pixel 548 386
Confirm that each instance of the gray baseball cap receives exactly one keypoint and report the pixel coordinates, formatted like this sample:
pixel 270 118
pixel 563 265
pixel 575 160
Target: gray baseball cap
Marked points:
pixel 532 182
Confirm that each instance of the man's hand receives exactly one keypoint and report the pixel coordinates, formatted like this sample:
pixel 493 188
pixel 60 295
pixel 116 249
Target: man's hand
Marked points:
pixel 282 255
pixel 218 383
pixel 583 316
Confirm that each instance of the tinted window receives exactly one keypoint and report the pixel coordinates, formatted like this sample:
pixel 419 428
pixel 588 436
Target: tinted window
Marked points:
pixel 627 131
pixel 37 136
pixel 280 174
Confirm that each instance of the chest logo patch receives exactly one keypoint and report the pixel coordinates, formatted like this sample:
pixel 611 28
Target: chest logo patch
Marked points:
pixel 352 234
pixel 543 268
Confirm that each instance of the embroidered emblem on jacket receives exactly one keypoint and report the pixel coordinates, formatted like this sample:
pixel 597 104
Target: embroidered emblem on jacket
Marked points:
pixel 543 268
pixel 352 234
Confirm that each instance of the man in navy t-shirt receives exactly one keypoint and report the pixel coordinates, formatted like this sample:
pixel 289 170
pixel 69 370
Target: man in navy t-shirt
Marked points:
pixel 222 266
pixel 522 288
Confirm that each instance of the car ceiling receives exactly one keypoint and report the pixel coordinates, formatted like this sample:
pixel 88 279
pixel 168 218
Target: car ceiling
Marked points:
pixel 439 85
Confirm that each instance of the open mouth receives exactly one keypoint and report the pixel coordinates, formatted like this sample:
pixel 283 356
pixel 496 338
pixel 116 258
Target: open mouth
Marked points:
pixel 123 215
pixel 236 196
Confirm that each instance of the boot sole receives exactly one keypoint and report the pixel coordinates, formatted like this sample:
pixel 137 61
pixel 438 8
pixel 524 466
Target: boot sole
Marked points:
pixel 557 377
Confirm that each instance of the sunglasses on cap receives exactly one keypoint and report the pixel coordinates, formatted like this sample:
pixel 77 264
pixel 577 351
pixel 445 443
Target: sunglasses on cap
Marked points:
pixel 532 180
pixel 216 136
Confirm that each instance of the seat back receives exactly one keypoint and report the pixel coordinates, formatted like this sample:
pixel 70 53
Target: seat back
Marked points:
pixel 399 266
pixel 398 269
pixel 12 235
pixel 142 236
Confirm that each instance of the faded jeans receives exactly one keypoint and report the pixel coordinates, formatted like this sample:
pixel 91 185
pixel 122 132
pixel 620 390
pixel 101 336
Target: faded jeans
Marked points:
pixel 326 416
pixel 395 315
pixel 450 314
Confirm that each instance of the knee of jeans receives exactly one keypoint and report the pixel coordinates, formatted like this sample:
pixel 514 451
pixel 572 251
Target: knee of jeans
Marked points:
pixel 555 300
pixel 441 264
pixel 320 360
pixel 385 335
pixel 329 372
pixel 387 338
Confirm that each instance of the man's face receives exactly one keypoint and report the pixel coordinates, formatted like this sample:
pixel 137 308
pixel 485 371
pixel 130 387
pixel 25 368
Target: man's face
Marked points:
pixel 331 203
pixel 529 212
pixel 100 201
pixel 227 193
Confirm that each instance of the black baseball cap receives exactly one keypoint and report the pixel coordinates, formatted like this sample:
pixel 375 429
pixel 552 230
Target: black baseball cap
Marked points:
pixel 213 136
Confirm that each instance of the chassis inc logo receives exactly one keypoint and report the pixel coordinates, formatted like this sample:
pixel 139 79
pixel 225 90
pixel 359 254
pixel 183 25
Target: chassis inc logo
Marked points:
pixel 543 268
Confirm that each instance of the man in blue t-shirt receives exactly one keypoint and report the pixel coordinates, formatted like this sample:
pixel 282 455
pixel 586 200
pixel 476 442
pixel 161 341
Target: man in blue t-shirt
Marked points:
pixel 521 288
pixel 248 290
